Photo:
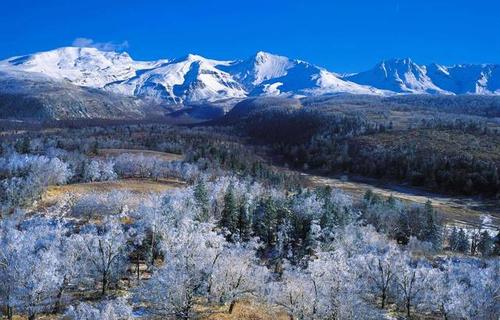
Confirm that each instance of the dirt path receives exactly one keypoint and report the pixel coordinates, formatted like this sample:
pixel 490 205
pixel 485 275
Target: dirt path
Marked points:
pixel 455 210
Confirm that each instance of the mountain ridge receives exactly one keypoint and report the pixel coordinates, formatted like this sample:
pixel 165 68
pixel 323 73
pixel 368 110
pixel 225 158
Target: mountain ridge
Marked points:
pixel 194 78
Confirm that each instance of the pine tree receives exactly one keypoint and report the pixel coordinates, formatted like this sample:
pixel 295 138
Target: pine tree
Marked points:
pixel 312 239
pixel 453 239
pixel 370 197
pixel 485 245
pixel 230 212
pixel 462 241
pixel 265 221
pixel 23 145
pixel 432 228
pixel 391 201
pixel 245 221
pixel 202 201
pixel 328 216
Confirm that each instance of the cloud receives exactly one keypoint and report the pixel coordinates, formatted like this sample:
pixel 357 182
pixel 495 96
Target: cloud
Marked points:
pixel 104 46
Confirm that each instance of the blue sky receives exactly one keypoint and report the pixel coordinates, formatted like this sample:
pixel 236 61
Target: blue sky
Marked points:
pixel 340 35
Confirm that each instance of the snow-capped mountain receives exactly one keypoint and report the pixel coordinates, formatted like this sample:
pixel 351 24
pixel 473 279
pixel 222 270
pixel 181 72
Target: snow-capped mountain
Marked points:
pixel 188 79
pixel 405 76
pixel 195 78
pixel 466 78
pixel 87 67
pixel 192 78
pixel 260 67
pixel 268 74
pixel 397 75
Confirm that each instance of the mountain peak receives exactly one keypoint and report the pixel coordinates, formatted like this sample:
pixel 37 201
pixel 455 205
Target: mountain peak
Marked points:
pixel 397 62
pixel 263 57
pixel 194 57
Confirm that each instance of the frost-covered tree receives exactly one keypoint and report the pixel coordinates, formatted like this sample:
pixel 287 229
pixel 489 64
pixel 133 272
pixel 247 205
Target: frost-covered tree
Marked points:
pixel 236 273
pixel 411 280
pixel 29 266
pixel 380 270
pixel 117 309
pixel 72 266
pixel 97 170
pixel 105 247
pixel 296 293
pixel 191 250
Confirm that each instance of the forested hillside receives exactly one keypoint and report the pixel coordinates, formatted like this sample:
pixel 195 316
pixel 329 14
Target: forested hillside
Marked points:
pixel 445 144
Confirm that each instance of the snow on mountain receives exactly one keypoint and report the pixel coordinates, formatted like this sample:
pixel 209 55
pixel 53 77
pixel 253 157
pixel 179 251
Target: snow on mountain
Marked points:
pixel 464 79
pixel 397 75
pixel 268 74
pixel 189 79
pixel 260 67
pixel 405 76
pixel 195 78
pixel 87 67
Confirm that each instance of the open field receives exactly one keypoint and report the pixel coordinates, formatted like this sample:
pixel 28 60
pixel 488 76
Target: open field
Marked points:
pixel 455 210
pixel 247 310
pixel 137 187
pixel 161 155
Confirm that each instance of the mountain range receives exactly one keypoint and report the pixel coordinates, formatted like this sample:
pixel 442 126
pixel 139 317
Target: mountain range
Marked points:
pixel 76 83
pixel 194 78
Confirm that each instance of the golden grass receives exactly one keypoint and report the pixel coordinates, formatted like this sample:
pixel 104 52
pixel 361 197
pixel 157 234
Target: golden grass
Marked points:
pixel 247 310
pixel 161 155
pixel 137 187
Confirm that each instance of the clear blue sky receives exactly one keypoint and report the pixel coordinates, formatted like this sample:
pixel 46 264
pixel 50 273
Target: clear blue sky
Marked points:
pixel 340 35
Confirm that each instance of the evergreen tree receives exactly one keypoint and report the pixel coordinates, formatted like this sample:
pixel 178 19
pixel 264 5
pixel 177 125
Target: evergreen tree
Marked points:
pixel 391 201
pixel 432 227
pixel 453 239
pixel 485 245
pixel 245 221
pixel 496 244
pixel 370 197
pixel 23 145
pixel 462 241
pixel 312 241
pixel 265 222
pixel 328 217
pixel 202 201
pixel 230 212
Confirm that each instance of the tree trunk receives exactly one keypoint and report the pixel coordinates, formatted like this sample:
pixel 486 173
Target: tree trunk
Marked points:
pixel 153 248
pixel 231 306
pixel 10 313
pixel 104 284
pixel 32 316
pixel 408 306
pixel 383 299
pixel 57 306
pixel 138 265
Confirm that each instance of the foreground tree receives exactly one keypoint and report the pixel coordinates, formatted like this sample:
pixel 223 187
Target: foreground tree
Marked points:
pixel 380 270
pixel 236 274
pixel 190 250
pixel 29 267
pixel 411 279
pixel 105 247
pixel 108 310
